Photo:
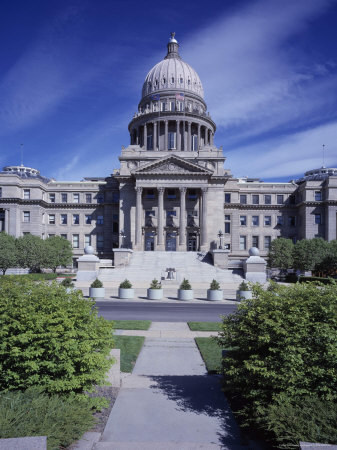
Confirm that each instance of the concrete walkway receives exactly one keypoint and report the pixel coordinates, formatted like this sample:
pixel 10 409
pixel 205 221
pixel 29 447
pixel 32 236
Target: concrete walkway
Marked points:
pixel 169 401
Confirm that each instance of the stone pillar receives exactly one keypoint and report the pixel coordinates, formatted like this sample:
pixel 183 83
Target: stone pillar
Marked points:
pixel 199 143
pixel 178 136
pixel 166 135
pixel 189 147
pixel 137 136
pixel 6 221
pixel 185 137
pixel 160 237
pixel 206 136
pixel 182 221
pixel 255 267
pixel 154 136
pixel 139 217
pixel 145 136
pixel 204 218
pixel 212 138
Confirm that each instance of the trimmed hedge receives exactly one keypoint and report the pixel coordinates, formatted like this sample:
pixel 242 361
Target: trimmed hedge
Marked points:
pixel 316 280
pixel 51 338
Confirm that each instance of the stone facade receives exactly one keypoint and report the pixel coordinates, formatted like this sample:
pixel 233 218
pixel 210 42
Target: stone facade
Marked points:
pixel 172 191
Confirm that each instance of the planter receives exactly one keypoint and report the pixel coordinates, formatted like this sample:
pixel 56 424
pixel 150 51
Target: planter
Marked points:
pixel 244 295
pixel 184 294
pixel 155 294
pixel 214 295
pixel 97 292
pixel 126 293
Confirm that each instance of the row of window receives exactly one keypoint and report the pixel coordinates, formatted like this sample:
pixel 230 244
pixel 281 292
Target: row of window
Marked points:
pixel 255 242
pixel 267 221
pixel 255 199
pixel 171 194
pixel 63 219
pixel 74 197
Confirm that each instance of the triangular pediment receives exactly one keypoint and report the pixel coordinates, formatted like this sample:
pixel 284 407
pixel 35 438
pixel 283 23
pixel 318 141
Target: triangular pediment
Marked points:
pixel 171 165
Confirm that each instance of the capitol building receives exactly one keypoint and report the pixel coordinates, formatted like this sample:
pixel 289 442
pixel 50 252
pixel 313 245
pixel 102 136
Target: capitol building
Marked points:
pixel 173 190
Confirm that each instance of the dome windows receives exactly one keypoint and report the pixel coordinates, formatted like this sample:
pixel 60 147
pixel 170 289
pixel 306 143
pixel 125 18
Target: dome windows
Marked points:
pixel 163 81
pixel 172 80
pixel 181 80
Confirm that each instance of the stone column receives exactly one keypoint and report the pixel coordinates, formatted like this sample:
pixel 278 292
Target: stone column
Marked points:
pixel 145 136
pixel 154 136
pixel 160 237
pixel 6 221
pixel 212 138
pixel 178 136
pixel 182 221
pixel 185 137
pixel 137 136
pixel 204 218
pixel 139 217
pixel 189 147
pixel 166 135
pixel 206 136
pixel 199 143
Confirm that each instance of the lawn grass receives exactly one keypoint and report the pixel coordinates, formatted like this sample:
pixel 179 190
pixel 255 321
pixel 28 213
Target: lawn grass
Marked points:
pixel 32 276
pixel 204 326
pixel 132 324
pixel 210 352
pixel 130 347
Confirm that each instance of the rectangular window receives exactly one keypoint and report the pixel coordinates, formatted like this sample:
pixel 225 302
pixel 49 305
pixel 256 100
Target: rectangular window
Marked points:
pixel 267 241
pixel 149 142
pixel 150 212
pixel 256 199
pixel 64 198
pixel 267 199
pixel 227 217
pixel 243 220
pixel 171 213
pixel 255 241
pixel 255 221
pixel 64 236
pixel 243 199
pixel 52 198
pixel 171 140
pixel 76 219
pixel 318 219
pixel 76 198
pixel 64 219
pixel 292 199
pixel 180 106
pixel 51 219
pixel 87 219
pixel 150 193
pixel 192 194
pixel 99 220
pixel 318 196
pixel 243 240
pixel 87 240
pixel 280 220
pixel 172 106
pixel 76 240
pixel 163 106
pixel 88 198
pixel 51 235
pixel 291 221
pixel 100 242
pixel 26 216
pixel 280 199
pixel 267 221
pixel 171 194
pixel 227 197
pixel 26 194
pixel 194 142
pixel 227 227
pixel 100 198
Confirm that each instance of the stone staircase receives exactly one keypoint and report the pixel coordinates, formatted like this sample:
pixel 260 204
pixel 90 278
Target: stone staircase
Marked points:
pixel 145 266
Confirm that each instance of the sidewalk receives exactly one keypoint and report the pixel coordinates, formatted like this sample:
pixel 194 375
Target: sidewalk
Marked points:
pixel 169 401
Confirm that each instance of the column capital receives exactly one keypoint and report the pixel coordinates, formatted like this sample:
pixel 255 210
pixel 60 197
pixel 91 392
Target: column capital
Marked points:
pixel 183 189
pixel 204 190
pixel 139 190
pixel 161 190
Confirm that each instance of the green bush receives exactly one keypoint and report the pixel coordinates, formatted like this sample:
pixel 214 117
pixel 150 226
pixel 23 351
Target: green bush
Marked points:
pixel 244 286
pixel 96 284
pixel 185 285
pixel 214 286
pixel 31 276
pixel 63 419
pixel 51 338
pixel 67 282
pixel 315 280
pixel 125 284
pixel 155 284
pixel 283 342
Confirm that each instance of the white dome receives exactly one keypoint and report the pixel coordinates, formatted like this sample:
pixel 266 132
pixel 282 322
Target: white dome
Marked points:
pixel 172 73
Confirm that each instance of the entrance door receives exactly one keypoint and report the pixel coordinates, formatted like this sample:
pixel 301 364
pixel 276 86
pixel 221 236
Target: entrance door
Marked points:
pixel 171 241
pixel 149 241
pixel 192 242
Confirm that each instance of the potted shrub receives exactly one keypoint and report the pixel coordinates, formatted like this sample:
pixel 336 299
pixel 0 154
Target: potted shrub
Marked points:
pixel 244 291
pixel 155 292
pixel 96 289
pixel 125 290
pixel 68 284
pixel 185 291
pixel 214 293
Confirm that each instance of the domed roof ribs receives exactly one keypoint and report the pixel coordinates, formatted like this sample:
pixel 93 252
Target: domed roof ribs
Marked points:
pixel 172 48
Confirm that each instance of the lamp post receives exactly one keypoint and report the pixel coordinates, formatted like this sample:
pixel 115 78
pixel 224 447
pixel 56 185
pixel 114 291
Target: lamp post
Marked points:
pixel 220 234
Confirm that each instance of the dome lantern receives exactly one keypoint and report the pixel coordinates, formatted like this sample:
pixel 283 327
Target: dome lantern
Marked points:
pixel 172 48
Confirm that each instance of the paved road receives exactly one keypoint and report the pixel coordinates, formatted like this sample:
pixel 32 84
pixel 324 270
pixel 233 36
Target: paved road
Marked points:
pixel 163 312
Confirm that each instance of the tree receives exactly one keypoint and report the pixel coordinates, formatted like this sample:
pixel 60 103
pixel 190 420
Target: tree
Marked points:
pixel 31 252
pixel 308 253
pixel 328 266
pixel 58 252
pixel 281 254
pixel 8 256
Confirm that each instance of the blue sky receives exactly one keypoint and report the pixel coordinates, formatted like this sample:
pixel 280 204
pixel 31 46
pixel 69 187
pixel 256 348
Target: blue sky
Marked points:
pixel 71 74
